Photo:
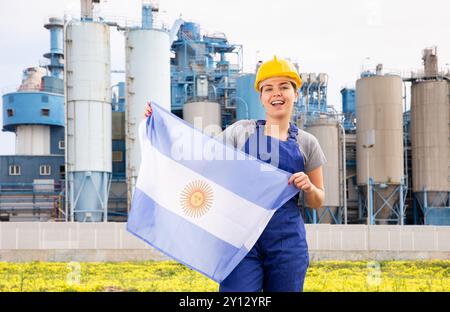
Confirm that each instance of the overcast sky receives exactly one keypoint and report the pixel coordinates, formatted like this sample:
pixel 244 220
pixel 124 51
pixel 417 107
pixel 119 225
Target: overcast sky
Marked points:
pixel 335 37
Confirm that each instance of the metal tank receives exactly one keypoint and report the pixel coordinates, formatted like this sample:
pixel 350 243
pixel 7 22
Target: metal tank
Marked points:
pixel 248 105
pixel 88 119
pixel 379 111
pixel 327 132
pixel 430 143
pixel 147 79
pixel 204 116
pixel 32 140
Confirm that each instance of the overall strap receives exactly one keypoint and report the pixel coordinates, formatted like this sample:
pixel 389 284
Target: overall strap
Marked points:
pixel 260 123
pixel 292 131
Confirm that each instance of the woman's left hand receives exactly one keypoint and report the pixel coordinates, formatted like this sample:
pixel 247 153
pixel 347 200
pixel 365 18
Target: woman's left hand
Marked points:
pixel 301 181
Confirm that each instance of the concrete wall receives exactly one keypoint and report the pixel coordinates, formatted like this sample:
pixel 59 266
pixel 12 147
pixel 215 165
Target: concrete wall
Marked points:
pixel 378 242
pixel 49 241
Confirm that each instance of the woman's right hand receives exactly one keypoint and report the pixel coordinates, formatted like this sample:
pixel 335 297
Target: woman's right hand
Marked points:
pixel 148 110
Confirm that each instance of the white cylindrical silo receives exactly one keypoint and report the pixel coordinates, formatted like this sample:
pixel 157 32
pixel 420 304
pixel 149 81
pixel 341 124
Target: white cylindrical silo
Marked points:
pixel 379 108
pixel 204 116
pixel 430 141
pixel 147 79
pixel 326 130
pixel 33 140
pixel 88 119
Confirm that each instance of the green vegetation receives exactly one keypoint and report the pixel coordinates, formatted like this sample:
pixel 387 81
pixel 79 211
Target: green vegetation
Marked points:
pixel 171 276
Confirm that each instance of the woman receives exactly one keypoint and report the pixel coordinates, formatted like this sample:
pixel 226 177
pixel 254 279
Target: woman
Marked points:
pixel 279 259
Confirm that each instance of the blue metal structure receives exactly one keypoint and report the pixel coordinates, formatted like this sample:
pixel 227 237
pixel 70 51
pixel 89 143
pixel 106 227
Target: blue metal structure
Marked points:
pixel 412 218
pixel 397 210
pixel 248 105
pixel 29 191
pixel 147 15
pixel 117 201
pixel 29 168
pixel 42 105
pixel 431 211
pixel 348 101
pixel 349 124
pixel 31 201
pixel 47 106
pixel 118 100
pixel 349 108
pixel 200 59
pixel 118 133
pixel 56 54
pixel 312 96
pixel 311 215
pixel 32 108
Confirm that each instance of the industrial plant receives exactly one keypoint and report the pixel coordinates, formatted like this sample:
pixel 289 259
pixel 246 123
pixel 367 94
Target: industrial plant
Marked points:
pixel 77 148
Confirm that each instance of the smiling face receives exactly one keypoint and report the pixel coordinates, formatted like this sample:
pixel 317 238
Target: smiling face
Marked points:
pixel 278 95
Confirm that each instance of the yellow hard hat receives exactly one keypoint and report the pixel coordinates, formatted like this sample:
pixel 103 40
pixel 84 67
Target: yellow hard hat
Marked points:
pixel 275 68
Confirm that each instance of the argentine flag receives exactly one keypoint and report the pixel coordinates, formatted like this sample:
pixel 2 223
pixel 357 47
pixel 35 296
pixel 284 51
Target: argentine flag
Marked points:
pixel 199 201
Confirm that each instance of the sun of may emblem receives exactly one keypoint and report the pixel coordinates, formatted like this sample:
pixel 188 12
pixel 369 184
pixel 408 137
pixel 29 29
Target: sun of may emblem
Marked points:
pixel 196 198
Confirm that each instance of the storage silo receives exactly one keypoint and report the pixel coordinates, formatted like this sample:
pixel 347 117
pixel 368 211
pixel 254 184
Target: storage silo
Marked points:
pixel 248 105
pixel 204 116
pixel 88 119
pixel 327 131
pixel 430 142
pixel 379 110
pixel 147 79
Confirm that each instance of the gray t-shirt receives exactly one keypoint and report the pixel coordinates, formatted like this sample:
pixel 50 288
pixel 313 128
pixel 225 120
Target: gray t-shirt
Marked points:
pixel 237 134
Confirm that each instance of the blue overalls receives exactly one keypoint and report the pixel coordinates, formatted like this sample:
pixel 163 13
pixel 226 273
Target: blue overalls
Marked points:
pixel 279 259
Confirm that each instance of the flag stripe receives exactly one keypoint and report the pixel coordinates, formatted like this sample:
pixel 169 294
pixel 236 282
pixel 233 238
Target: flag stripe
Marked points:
pixel 220 220
pixel 243 193
pixel 236 175
pixel 180 240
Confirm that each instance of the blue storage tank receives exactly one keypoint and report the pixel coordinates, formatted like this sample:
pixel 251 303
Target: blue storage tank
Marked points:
pixel 348 101
pixel 248 105
pixel 349 108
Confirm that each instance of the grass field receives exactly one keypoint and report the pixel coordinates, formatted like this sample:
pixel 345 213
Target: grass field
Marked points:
pixel 171 276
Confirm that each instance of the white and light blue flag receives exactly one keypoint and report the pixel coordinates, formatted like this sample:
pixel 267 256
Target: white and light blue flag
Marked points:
pixel 201 202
